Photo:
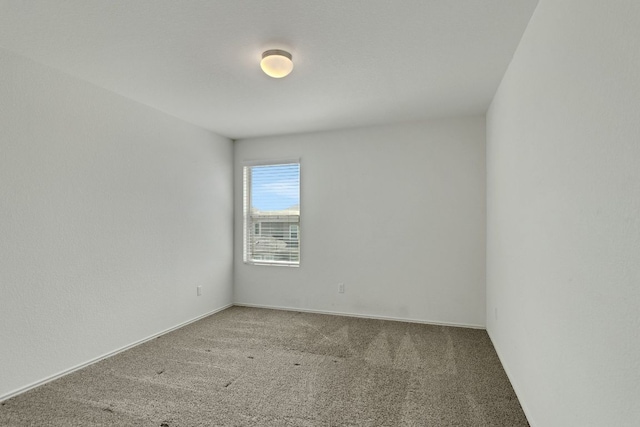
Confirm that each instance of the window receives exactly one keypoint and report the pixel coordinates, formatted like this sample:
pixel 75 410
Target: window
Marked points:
pixel 272 213
pixel 293 232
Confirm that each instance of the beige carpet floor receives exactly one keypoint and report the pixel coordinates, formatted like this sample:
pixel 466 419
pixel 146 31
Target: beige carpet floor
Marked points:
pixel 258 367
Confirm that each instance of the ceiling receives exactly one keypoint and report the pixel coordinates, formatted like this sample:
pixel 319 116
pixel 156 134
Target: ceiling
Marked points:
pixel 357 62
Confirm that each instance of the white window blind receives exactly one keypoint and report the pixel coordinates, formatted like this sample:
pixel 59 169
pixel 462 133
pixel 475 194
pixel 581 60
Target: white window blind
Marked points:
pixel 272 213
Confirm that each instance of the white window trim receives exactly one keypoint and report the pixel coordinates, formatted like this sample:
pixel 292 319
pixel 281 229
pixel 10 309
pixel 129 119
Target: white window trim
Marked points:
pixel 246 182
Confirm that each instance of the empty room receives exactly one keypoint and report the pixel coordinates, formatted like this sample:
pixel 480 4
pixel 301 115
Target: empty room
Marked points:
pixel 320 213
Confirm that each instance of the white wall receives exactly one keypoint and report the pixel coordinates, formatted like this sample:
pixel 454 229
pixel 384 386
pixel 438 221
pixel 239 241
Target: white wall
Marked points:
pixel 397 213
pixel 563 239
pixel 111 213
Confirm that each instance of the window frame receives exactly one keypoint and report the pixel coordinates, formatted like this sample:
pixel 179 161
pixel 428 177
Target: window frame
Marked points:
pixel 246 202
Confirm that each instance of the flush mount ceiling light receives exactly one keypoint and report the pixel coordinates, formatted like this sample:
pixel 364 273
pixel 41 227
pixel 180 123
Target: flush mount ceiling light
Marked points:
pixel 276 63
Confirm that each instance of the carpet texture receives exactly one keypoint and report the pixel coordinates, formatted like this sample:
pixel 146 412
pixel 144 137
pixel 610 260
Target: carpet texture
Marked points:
pixel 258 367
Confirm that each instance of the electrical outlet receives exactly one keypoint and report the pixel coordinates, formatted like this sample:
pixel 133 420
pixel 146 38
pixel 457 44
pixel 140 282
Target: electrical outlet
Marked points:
pixel 199 290
pixel 341 288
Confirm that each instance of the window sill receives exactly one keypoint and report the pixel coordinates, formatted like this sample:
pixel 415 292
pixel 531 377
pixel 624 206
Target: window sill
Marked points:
pixel 272 264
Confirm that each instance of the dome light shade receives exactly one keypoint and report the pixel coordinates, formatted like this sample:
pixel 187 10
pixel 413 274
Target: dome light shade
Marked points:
pixel 276 63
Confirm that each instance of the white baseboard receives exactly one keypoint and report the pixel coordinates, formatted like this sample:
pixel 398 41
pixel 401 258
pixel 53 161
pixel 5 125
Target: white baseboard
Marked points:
pixel 364 316
pixel 106 355
pixel 527 412
pixel 166 331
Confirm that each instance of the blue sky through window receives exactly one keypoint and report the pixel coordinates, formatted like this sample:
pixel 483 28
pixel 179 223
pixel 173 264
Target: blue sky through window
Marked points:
pixel 275 187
